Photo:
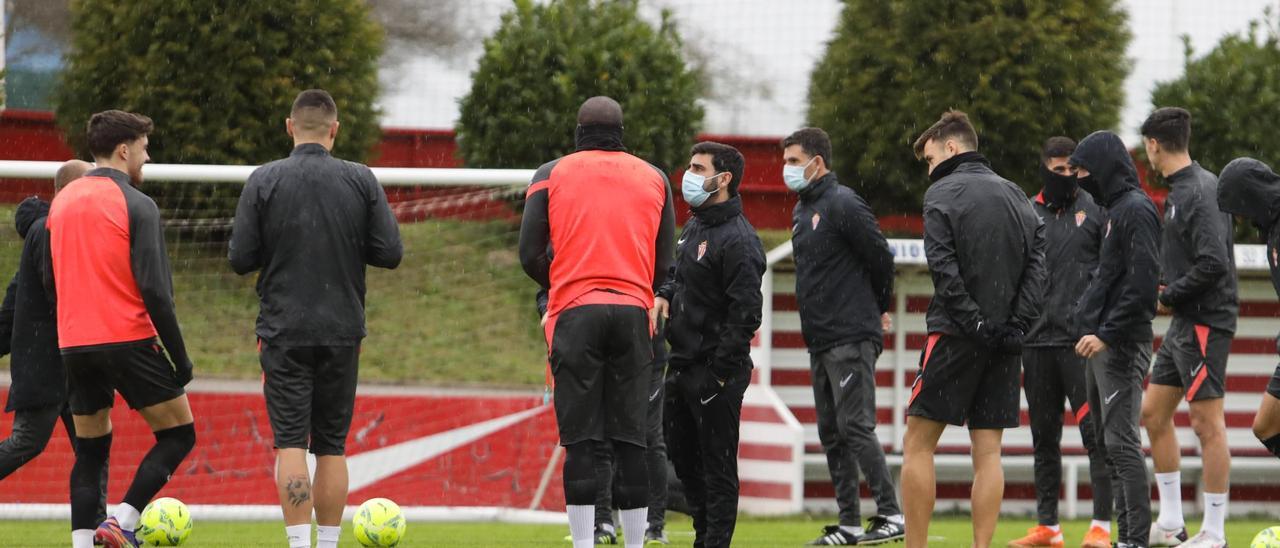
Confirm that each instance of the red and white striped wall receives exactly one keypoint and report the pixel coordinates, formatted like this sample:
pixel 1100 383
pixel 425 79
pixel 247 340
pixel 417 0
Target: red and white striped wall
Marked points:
pixel 783 369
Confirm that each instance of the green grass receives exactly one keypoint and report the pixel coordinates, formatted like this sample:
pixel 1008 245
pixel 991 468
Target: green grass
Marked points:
pixel 944 532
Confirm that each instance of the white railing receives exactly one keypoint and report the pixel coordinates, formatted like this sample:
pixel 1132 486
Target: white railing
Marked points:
pixel 205 173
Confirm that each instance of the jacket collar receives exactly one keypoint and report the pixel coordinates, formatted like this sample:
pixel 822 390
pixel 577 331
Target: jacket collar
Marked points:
pixel 717 214
pixel 818 187
pixel 598 137
pixel 309 149
pixel 1184 174
pixel 111 173
pixel 951 164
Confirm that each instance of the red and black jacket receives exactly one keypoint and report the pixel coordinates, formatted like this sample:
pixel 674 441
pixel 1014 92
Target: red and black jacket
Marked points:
pixel 110 269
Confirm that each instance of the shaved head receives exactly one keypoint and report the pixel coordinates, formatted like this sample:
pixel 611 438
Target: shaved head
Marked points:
pixel 70 171
pixel 601 111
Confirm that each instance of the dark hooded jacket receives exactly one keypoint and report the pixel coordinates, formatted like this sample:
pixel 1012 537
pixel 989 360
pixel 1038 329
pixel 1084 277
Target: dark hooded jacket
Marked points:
pixel 1073 235
pixel 1197 255
pixel 1250 189
pixel 715 292
pixel 29 319
pixel 985 248
pixel 1120 302
pixel 844 268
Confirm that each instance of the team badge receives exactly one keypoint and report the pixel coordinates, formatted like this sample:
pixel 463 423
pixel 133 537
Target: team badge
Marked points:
pixel 1080 218
pixel 816 219
pixel 702 249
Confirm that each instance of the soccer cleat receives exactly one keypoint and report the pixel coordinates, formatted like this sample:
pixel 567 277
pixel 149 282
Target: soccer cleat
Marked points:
pixel 655 537
pixel 1167 537
pixel 605 536
pixel 880 530
pixel 111 535
pixel 1041 536
pixel 833 535
pixel 1097 537
pixel 1204 540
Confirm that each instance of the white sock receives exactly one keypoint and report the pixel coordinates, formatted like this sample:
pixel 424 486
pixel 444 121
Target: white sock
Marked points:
pixel 1104 525
pixel 1215 514
pixel 896 518
pixel 127 516
pixel 854 530
pixel 82 538
pixel 1057 527
pixel 633 523
pixel 327 535
pixel 1170 486
pixel 299 535
pixel 582 524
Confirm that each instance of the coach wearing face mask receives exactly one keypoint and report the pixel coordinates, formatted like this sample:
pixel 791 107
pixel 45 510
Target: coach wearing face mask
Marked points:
pixel 844 284
pixel 714 303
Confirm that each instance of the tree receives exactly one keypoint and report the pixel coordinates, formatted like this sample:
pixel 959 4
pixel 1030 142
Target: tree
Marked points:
pixel 218 78
pixel 1023 71
pixel 1233 93
pixel 545 59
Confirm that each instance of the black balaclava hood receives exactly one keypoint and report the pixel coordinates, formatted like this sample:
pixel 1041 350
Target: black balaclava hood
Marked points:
pixel 1059 190
pixel 1111 169
pixel 29 211
pixel 1250 189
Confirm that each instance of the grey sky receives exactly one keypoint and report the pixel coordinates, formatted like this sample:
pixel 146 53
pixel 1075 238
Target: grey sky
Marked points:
pixel 774 46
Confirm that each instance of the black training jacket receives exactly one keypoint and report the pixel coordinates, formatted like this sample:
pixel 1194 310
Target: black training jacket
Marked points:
pixel 1073 236
pixel 29 318
pixel 311 222
pixel 715 292
pixel 985 248
pixel 1250 189
pixel 1197 256
pixel 1120 302
pixel 844 269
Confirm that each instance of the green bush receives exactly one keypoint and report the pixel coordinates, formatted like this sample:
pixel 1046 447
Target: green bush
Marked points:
pixel 1023 71
pixel 546 58
pixel 218 78
pixel 1233 93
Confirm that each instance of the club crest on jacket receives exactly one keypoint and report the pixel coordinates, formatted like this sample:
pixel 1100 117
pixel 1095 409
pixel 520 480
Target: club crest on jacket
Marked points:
pixel 816 218
pixel 702 249
pixel 1080 218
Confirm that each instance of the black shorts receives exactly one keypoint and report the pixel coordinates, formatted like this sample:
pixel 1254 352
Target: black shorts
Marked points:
pixel 139 371
pixel 1194 358
pixel 601 355
pixel 963 382
pixel 310 393
pixel 1273 387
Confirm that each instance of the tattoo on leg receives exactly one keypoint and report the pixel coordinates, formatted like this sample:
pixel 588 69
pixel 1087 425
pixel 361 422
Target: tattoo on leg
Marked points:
pixel 299 490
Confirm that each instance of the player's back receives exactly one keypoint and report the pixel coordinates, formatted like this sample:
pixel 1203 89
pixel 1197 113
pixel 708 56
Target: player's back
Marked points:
pixel 992 226
pixel 604 209
pixel 91 224
pixel 314 215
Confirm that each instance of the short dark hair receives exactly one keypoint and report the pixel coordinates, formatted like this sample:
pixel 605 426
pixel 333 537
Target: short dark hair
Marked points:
pixel 313 110
pixel 1169 126
pixel 953 125
pixel 813 141
pixel 109 128
pixel 723 158
pixel 1057 147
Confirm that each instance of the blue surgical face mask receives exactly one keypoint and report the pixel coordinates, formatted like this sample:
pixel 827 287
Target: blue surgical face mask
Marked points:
pixel 692 186
pixel 793 176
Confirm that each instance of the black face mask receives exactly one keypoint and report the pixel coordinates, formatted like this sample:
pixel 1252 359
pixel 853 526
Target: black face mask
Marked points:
pixel 1059 190
pixel 1090 185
